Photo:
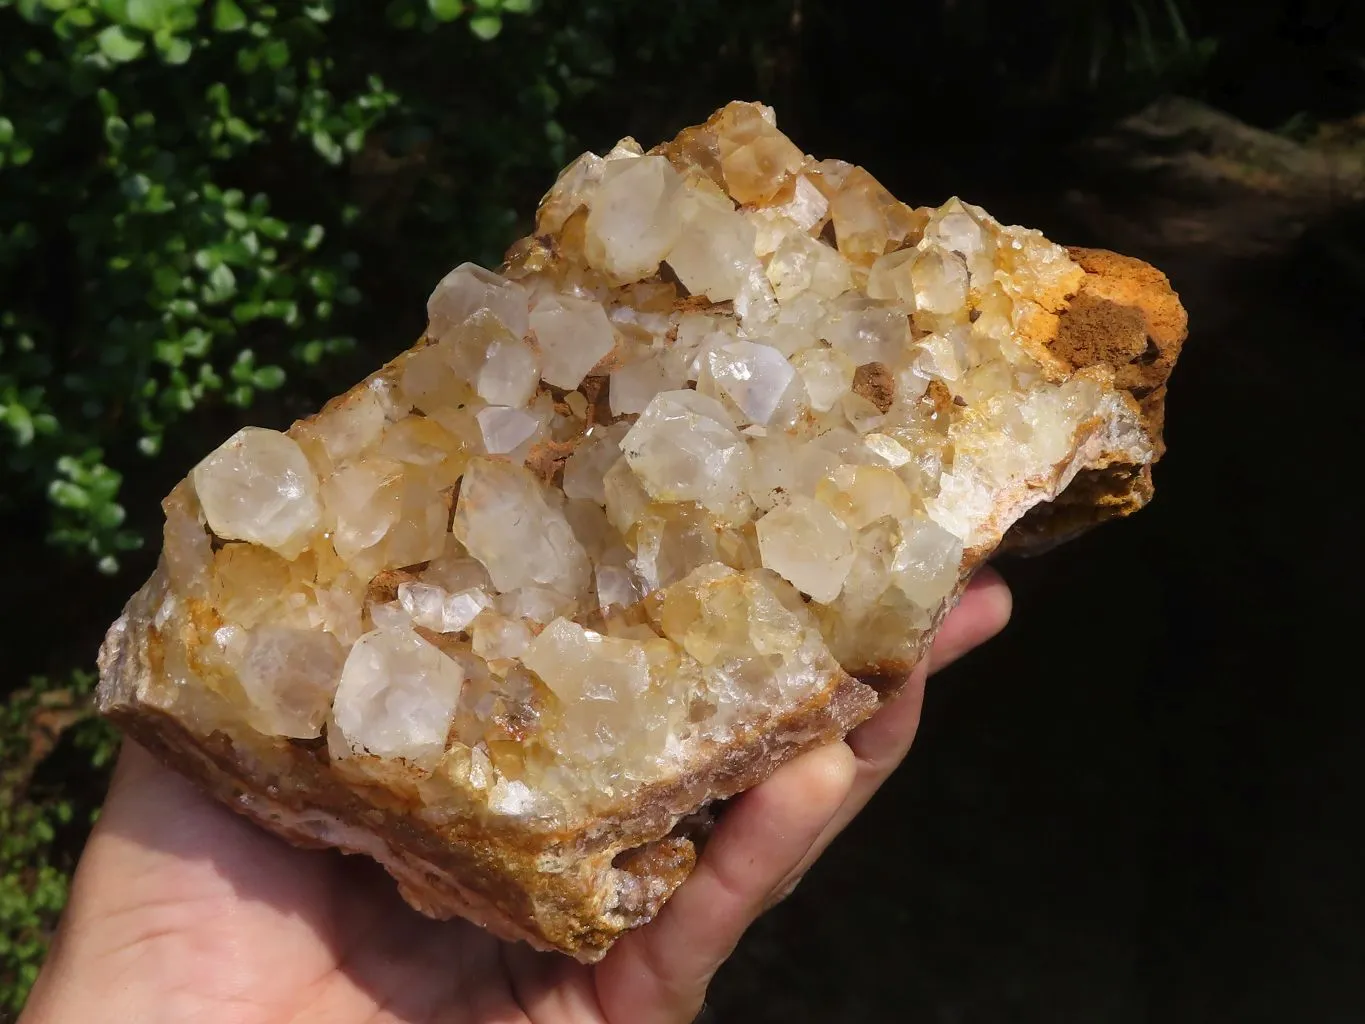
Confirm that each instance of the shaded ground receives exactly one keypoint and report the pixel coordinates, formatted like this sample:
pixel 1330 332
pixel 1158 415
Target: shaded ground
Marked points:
pixel 1139 803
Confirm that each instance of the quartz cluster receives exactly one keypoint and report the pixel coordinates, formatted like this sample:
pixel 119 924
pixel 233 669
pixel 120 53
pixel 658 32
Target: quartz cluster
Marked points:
pixel 725 434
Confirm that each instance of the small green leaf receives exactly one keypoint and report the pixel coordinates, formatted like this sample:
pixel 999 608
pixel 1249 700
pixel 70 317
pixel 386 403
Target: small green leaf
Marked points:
pixel 169 352
pixel 20 421
pixel 118 45
pixel 174 49
pixel 446 10
pixel 115 131
pixel 518 6
pixel 327 147
pixel 268 378
pixel 228 17
pixel 6 131
pixel 273 228
pixel 148 14
pixel 136 186
pixel 166 279
pixel 222 283
pixel 81 17
pixel 485 26
pixel 108 102
pixel 276 53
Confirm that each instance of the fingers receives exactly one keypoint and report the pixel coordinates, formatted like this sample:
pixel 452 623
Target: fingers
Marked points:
pixel 982 613
pixel 659 974
pixel 881 743
pixel 775 832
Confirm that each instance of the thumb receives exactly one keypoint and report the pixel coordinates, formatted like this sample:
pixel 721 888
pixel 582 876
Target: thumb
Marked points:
pixel 659 974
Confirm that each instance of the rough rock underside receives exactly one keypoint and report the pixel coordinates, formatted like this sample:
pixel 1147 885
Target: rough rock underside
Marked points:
pixel 682 491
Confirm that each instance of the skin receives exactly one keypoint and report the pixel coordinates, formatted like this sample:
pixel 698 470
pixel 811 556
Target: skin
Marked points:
pixel 183 911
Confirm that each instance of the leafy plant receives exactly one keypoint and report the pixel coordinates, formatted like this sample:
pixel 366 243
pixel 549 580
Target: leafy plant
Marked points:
pixel 42 824
pixel 155 235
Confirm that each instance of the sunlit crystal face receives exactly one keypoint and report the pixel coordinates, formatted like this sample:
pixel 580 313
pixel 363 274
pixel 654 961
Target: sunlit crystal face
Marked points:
pixel 259 487
pixel 685 447
pixel 730 413
pixel 397 696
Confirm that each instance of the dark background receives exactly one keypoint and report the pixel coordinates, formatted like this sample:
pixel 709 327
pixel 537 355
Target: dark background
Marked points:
pixel 1141 801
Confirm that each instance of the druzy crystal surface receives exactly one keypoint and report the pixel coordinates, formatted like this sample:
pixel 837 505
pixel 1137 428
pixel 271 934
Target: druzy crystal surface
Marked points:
pixel 727 432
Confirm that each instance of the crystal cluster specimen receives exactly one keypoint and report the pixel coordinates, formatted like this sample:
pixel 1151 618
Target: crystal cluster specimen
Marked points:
pixel 683 490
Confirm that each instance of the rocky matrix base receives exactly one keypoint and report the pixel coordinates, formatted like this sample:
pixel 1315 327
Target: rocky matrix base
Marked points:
pixel 683 491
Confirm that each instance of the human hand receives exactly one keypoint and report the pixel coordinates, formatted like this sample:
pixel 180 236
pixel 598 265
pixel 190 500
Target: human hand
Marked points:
pixel 183 911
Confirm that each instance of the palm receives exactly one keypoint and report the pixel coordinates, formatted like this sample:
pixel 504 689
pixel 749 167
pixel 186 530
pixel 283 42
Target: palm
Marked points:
pixel 184 911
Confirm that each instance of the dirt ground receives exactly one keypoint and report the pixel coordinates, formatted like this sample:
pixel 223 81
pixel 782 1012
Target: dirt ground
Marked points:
pixel 1140 802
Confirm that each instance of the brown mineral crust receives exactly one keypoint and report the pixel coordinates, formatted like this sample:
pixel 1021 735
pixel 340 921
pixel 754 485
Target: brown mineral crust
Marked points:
pixel 595 389
pixel 546 459
pixel 659 867
pixel 875 382
pixel 938 396
pixel 1127 318
pixel 384 587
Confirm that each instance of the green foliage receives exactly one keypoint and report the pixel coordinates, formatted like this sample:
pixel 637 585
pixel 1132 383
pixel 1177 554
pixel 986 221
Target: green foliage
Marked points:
pixel 42 825
pixel 175 220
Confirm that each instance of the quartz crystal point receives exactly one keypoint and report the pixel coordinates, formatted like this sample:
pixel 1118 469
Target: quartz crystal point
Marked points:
pixel 682 490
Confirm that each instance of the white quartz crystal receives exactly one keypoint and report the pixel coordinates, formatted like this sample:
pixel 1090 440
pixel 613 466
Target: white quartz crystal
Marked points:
pixel 397 697
pixel 468 289
pixel 714 252
pixel 808 545
pixel 509 374
pixel 940 281
pixel 827 374
pixel 638 381
pixel 802 265
pixel 599 681
pixel 504 430
pixel 587 466
pixel 432 607
pixel 784 467
pixel 289 676
pixel 634 220
pixel 507 520
pixel 754 377
pixel 500 637
pixel 258 487
pixel 574 334
pixel 686 447
pixel 867 332
pixel 927 561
